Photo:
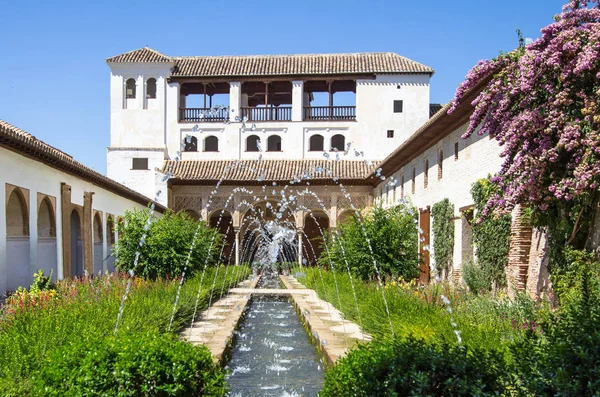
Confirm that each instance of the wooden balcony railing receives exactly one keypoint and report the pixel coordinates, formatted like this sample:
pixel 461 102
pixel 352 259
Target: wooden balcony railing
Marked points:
pixel 279 113
pixel 198 115
pixel 315 113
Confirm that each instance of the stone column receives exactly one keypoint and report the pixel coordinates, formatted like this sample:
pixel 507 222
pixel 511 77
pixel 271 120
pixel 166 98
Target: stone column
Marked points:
pixel 88 245
pixel 300 247
pixel 297 100
pixel 3 264
pixel 235 98
pixel 237 245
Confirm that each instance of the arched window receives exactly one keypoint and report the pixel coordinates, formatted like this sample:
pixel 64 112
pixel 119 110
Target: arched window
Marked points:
pixel 151 88
pixel 440 164
pixel 414 177
pixel 338 142
pixel 252 143
pixel 211 144
pixel 46 221
pixel 274 143
pixel 110 230
pixel 17 215
pixel 191 144
pixel 130 89
pixel 316 143
pixel 402 186
pixel 426 174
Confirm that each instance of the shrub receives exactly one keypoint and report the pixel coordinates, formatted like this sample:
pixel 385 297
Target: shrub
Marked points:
pixel 413 367
pixel 443 233
pixel 148 364
pixel 491 234
pixel 165 250
pixel 477 279
pixel 562 357
pixel 392 236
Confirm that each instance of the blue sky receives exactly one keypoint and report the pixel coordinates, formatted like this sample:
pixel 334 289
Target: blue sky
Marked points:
pixel 55 83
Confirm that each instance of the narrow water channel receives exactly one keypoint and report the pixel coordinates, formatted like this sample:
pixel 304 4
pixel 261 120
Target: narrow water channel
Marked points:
pixel 273 355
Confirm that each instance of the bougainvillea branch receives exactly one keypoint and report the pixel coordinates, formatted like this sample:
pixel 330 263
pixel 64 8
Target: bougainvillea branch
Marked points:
pixel 542 106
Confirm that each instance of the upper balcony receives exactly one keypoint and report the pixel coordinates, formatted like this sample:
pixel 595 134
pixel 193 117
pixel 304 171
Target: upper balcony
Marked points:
pixel 275 101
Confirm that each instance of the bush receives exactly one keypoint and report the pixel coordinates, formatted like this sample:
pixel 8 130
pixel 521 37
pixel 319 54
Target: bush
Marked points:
pixel 392 235
pixel 477 279
pixel 167 245
pixel 415 368
pixel 561 357
pixel 491 234
pixel 144 364
pixel 443 235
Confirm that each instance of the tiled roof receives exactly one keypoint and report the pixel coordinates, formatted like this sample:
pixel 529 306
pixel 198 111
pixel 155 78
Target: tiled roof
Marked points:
pixel 251 171
pixel 279 65
pixel 22 142
pixel 434 108
pixel 145 54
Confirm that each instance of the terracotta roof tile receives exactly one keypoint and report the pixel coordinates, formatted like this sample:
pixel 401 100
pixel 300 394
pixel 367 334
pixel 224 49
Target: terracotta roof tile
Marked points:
pixel 25 143
pixel 145 54
pixel 279 65
pixel 274 170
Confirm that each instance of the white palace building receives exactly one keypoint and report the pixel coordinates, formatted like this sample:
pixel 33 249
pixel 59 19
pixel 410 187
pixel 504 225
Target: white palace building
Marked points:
pixel 235 133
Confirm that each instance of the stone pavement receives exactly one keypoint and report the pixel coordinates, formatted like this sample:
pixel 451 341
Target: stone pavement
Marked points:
pixel 333 335
pixel 214 326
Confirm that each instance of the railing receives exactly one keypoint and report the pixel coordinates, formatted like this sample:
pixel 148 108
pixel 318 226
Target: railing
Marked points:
pixel 198 115
pixel 279 113
pixel 330 113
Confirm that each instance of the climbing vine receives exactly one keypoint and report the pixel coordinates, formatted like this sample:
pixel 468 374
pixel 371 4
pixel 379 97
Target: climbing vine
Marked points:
pixel 491 234
pixel 443 235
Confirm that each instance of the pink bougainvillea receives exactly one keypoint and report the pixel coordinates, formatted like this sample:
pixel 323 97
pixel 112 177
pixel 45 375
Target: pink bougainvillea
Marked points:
pixel 542 106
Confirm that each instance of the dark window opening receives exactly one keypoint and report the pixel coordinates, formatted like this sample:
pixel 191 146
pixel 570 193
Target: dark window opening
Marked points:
pixel 274 143
pixel 426 174
pixel 252 143
pixel 139 163
pixel 151 88
pixel 456 151
pixel 414 177
pixel 338 142
pixel 398 106
pixel 130 89
pixel 316 143
pixel 191 144
pixel 390 133
pixel 402 186
pixel 211 144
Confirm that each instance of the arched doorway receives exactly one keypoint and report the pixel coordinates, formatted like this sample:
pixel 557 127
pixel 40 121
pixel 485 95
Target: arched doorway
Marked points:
pixel 76 245
pixel 315 224
pixel 98 242
pixel 225 227
pixel 46 242
pixel 17 241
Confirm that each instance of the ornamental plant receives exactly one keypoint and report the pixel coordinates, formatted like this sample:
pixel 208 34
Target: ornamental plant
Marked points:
pixel 542 105
pixel 164 252
pixel 443 232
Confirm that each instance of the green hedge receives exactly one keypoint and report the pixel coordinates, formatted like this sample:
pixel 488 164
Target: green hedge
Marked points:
pixel 413 367
pixel 443 235
pixel 149 364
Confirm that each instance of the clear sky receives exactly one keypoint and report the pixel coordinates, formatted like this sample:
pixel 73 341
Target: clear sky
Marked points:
pixel 54 82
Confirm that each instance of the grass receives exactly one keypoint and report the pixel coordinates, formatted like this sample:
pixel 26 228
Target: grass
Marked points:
pixel 421 312
pixel 33 326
